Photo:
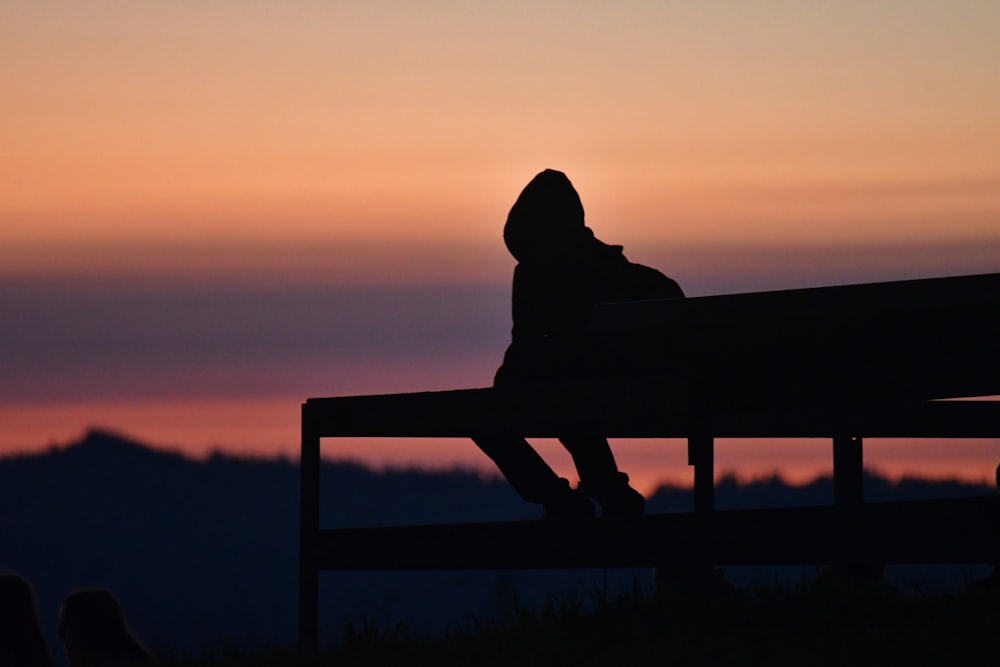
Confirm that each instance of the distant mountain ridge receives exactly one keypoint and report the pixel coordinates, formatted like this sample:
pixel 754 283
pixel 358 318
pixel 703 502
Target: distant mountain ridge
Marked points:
pixel 205 553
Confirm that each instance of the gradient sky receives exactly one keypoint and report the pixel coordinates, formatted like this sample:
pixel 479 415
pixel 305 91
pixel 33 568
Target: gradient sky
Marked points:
pixel 287 155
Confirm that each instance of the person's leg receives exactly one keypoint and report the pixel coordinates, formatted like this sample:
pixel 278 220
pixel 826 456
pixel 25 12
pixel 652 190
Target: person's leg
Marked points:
pixel 532 478
pixel 600 478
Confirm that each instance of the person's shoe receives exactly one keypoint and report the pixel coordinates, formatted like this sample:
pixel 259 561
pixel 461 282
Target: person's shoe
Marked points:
pixel 616 497
pixel 567 503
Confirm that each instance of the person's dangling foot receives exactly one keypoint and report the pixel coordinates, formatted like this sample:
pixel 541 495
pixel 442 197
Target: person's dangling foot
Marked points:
pixel 566 503
pixel 615 496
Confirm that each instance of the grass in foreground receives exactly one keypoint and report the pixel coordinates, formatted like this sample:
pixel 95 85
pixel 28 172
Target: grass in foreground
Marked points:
pixel 828 622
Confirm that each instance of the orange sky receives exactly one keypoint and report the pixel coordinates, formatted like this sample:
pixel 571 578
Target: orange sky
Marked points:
pixel 211 124
pixel 750 145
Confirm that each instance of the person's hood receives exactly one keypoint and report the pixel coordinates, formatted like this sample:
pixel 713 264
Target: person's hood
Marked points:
pixel 546 220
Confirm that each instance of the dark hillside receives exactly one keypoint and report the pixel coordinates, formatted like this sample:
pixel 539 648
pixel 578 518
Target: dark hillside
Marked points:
pixel 205 553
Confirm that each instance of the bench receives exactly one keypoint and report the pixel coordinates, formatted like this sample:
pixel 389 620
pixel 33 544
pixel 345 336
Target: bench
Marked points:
pixel 840 363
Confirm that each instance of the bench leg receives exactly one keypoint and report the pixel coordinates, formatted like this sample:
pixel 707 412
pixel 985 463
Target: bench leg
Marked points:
pixel 308 534
pixel 700 576
pixel 701 455
pixel 848 471
pixel 849 490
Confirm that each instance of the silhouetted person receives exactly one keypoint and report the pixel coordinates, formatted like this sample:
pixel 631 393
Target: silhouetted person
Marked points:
pixel 22 642
pixel 93 632
pixel 562 271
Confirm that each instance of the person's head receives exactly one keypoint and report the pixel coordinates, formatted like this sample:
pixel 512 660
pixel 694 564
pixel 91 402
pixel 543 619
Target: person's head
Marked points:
pixel 546 219
pixel 92 629
pixel 22 642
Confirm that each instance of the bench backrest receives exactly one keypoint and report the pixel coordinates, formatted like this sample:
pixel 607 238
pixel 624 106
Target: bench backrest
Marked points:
pixel 905 340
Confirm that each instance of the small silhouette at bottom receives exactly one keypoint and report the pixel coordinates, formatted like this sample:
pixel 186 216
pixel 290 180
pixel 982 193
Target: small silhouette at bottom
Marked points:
pixel 94 633
pixel 22 642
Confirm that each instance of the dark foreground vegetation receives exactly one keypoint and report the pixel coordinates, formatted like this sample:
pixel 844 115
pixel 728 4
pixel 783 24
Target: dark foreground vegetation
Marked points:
pixel 831 621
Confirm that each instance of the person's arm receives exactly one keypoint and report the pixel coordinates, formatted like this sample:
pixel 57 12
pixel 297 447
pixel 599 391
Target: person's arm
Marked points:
pixel 553 301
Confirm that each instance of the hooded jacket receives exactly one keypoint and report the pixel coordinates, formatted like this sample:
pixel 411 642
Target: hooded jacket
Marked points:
pixel 562 271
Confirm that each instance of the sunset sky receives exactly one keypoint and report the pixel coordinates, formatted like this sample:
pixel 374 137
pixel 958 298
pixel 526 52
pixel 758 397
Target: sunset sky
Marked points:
pixel 213 210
